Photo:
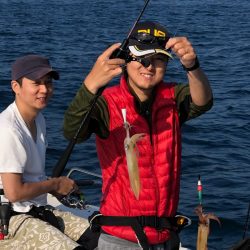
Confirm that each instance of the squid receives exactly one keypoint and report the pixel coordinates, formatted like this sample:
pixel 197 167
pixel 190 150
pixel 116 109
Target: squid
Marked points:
pixel 203 228
pixel 131 157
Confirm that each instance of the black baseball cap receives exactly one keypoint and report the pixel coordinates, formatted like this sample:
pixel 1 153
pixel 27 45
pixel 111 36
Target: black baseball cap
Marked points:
pixel 148 38
pixel 32 67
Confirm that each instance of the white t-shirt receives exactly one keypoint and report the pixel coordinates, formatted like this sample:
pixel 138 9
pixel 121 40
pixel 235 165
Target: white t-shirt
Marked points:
pixel 19 153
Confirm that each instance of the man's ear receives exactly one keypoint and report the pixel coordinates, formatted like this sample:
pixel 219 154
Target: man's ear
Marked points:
pixel 15 86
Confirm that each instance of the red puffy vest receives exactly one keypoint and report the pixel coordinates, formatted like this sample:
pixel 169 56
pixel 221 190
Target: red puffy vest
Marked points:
pixel 159 158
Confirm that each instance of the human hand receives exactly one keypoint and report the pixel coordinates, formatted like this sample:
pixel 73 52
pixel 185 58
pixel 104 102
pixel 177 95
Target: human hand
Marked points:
pixel 104 70
pixel 65 186
pixel 184 50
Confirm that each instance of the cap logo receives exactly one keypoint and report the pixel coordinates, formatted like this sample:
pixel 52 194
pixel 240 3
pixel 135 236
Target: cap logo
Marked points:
pixel 157 33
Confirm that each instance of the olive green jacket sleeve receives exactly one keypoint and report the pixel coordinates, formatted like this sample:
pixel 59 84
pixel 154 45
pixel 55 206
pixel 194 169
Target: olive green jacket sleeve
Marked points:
pixel 79 107
pixel 99 118
pixel 187 109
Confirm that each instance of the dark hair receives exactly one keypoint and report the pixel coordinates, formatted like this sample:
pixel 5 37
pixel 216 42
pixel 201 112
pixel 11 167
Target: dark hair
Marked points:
pixel 20 81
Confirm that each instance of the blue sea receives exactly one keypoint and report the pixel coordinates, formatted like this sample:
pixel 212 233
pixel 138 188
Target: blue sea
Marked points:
pixel 72 33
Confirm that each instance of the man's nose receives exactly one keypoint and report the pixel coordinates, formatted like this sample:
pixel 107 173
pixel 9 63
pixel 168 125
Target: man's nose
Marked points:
pixel 44 87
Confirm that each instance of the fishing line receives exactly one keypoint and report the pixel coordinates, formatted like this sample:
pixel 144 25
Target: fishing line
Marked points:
pixel 247 222
pixel 175 59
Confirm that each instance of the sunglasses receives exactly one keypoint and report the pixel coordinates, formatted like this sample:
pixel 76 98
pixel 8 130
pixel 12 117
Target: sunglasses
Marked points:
pixel 147 38
pixel 146 61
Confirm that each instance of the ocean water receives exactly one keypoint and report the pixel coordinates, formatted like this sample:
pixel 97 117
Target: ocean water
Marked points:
pixel 72 33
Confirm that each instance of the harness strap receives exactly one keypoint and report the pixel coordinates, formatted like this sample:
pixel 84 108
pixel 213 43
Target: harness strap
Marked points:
pixel 140 234
pixel 42 213
pixel 158 223
pixel 136 223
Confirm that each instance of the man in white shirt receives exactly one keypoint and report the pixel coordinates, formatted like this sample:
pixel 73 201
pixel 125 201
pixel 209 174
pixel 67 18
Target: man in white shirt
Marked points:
pixel 22 165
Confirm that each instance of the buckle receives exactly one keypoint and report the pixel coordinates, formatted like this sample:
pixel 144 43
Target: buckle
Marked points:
pixel 182 221
pixel 94 226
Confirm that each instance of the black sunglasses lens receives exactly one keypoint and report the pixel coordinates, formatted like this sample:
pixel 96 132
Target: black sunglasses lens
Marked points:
pixel 145 62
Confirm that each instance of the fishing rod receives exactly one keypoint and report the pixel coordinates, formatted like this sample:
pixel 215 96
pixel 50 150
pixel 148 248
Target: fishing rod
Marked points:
pixel 247 222
pixel 122 53
pixel 62 162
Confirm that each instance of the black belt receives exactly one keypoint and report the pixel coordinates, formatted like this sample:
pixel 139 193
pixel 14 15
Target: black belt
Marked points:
pixel 137 223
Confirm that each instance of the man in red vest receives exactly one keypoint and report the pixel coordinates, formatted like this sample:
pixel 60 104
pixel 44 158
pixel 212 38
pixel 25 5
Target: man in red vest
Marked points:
pixel 137 125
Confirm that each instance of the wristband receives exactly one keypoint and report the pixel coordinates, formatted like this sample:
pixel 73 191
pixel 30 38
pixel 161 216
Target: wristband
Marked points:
pixel 194 67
